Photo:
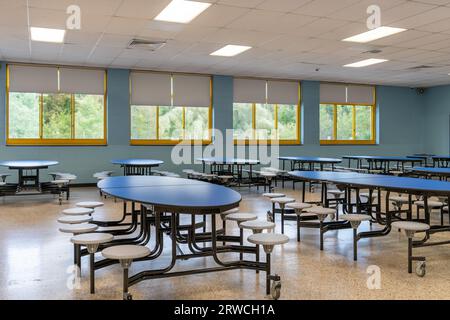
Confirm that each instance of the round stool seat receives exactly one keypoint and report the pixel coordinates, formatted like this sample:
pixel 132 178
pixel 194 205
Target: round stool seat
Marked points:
pixel 431 204
pixel 356 217
pixel 92 238
pixel 321 211
pixel 77 211
pixel 268 174
pixel 396 172
pixel 410 226
pixel 366 195
pixel 78 228
pixel 126 252
pixel 257 225
pixel 274 195
pixel 283 200
pixel 224 214
pixel 74 219
pixel 60 182
pixel 90 204
pixel 298 206
pixel 268 239
pixel 2 183
pixel 226 177
pixel 336 192
pixel 241 217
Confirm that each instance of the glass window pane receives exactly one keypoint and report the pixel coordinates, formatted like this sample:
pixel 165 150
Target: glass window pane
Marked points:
pixel 363 122
pixel 143 122
pixel 23 115
pixel 89 116
pixel 287 122
pixel 242 120
pixel 56 116
pixel 326 121
pixel 197 120
pixel 265 121
pixel 344 122
pixel 171 123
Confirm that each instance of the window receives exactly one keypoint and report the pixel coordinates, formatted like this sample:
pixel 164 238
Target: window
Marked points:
pixel 168 109
pixel 40 113
pixel 351 121
pixel 266 110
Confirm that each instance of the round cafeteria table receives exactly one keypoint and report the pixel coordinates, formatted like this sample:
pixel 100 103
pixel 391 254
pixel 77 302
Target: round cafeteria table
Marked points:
pixel 165 200
pixel 141 167
pixel 28 170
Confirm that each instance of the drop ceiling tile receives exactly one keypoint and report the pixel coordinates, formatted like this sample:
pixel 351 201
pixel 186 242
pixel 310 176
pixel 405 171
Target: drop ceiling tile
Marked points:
pixel 324 8
pixel 13 15
pixel 424 18
pixel 81 38
pixel 240 3
pixel 100 7
pixel 403 11
pixel 219 15
pixel 125 26
pixel 282 5
pixel 141 9
pixel 48 18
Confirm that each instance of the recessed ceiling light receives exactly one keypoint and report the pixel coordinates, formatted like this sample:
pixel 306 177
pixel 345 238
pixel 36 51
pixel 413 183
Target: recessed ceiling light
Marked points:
pixel 365 63
pixel 182 11
pixel 374 34
pixel 230 50
pixel 47 35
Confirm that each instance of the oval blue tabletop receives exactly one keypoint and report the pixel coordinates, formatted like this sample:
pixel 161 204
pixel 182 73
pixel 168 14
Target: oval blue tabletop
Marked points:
pixel 28 164
pixel 137 162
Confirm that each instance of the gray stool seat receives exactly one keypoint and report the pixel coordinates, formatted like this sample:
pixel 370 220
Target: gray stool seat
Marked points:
pixel 2 183
pixel 336 192
pixel 274 195
pixel 268 174
pixel 241 217
pixel 298 206
pixel 396 172
pixel 60 182
pixel 224 214
pixel 399 199
pixel 431 204
pixel 78 228
pixel 125 252
pixel 322 213
pixel 92 238
pixel 410 226
pixel 226 177
pixel 268 239
pixel 257 225
pixel 90 204
pixel 74 219
pixel 283 200
pixel 355 217
pixel 77 211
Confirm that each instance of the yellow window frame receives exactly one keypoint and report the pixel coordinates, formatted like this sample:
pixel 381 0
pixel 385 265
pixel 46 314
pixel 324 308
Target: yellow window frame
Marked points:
pixel 158 141
pixel 254 140
pixel 335 141
pixel 56 142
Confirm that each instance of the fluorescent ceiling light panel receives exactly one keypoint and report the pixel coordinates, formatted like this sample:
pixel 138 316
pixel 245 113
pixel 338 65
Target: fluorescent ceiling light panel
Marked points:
pixel 374 34
pixel 182 11
pixel 365 63
pixel 47 35
pixel 230 50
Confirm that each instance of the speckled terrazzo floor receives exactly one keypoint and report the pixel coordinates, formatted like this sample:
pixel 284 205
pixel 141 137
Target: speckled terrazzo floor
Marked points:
pixel 35 257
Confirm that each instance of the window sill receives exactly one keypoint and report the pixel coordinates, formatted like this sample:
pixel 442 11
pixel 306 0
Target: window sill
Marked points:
pixel 266 142
pixel 169 142
pixel 347 142
pixel 56 142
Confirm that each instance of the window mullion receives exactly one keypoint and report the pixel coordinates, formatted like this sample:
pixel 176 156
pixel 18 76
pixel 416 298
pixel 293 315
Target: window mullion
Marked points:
pixel 254 137
pixel 335 122
pixel 276 121
pixel 184 122
pixel 41 116
pixel 157 123
pixel 72 113
pixel 354 122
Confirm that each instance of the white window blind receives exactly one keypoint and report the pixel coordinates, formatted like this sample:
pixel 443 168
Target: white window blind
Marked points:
pixel 282 92
pixel 341 93
pixel 33 79
pixel 191 91
pixel 151 89
pixel 85 81
pixel 249 91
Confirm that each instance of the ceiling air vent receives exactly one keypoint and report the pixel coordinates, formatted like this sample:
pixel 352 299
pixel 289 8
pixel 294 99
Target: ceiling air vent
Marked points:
pixel 421 67
pixel 374 51
pixel 150 45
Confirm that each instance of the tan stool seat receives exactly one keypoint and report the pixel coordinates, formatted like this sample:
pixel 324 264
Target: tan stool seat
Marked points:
pixel 410 226
pixel 336 192
pixel 366 195
pixel 396 172
pixel 399 199
pixel 298 206
pixel 125 252
pixel 90 204
pixel 74 219
pixel 431 204
pixel 268 174
pixel 283 200
pixel 241 217
pixel 60 182
pixel 92 238
pixel 321 211
pixel 77 211
pixel 355 217
pixel 257 225
pixel 268 239
pixel 224 214
pixel 274 195
pixel 78 228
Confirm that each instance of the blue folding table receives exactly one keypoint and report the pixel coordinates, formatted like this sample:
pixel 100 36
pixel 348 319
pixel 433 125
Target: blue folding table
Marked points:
pixel 141 167
pixel 28 170
pixel 382 162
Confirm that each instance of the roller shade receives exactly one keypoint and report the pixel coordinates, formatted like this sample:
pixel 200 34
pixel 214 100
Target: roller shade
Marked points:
pixel 150 89
pixel 82 81
pixel 282 92
pixel 361 94
pixel 249 91
pixel 33 79
pixel 341 93
pixel 191 91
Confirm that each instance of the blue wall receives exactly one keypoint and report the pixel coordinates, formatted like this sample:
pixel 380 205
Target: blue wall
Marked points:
pixel 401 114
pixel 437 118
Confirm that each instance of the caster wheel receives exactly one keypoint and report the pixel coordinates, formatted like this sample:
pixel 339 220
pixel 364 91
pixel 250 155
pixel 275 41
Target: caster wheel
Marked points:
pixel 276 290
pixel 421 269
pixel 127 296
